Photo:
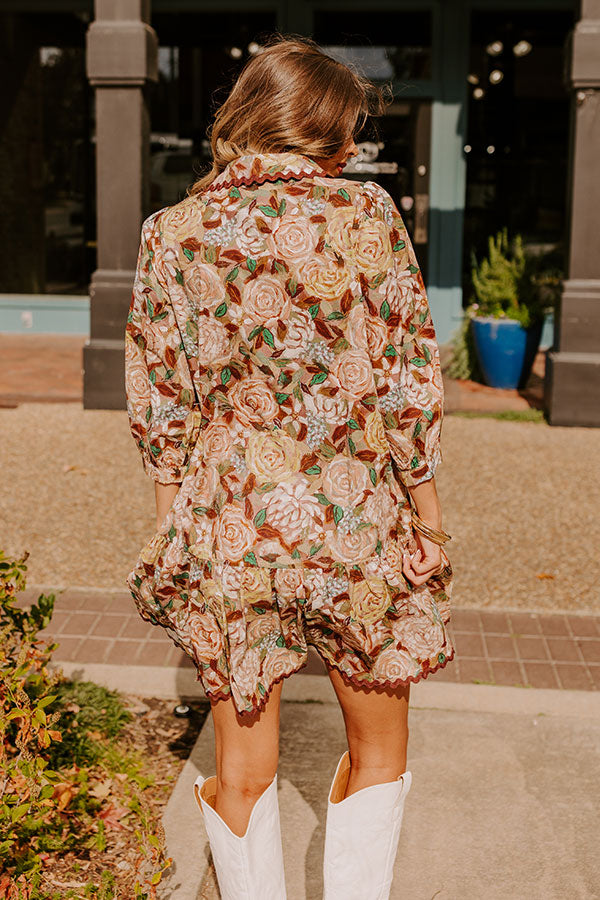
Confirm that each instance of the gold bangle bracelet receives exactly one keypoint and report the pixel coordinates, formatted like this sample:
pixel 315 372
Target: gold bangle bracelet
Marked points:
pixel 438 537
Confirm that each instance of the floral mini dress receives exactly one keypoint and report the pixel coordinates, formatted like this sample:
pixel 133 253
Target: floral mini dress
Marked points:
pixel 282 368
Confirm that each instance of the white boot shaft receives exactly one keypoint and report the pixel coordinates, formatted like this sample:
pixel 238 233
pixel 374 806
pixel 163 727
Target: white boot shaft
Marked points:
pixel 248 867
pixel 361 838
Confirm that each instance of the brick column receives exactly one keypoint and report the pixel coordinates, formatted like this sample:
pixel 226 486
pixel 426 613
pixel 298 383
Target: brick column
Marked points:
pixel 573 366
pixel 122 55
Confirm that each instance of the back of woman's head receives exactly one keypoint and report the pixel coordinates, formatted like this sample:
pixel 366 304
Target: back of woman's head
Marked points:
pixel 290 97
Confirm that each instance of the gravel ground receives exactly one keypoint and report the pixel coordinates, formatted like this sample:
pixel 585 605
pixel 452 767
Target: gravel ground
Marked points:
pixel 521 500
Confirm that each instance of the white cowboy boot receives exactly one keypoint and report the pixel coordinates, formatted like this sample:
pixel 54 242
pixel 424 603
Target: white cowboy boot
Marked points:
pixel 248 867
pixel 361 837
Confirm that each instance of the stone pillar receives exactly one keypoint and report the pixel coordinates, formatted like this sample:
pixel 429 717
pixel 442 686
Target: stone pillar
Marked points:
pixel 573 365
pixel 122 56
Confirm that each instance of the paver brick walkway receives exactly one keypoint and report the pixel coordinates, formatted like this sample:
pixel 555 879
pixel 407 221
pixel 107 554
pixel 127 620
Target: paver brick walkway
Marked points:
pixel 557 650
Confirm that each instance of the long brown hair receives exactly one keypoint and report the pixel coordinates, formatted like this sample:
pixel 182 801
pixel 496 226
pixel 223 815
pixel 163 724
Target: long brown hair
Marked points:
pixel 290 97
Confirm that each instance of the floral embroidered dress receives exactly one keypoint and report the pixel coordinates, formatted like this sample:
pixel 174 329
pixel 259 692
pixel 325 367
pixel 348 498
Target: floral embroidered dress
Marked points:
pixel 282 368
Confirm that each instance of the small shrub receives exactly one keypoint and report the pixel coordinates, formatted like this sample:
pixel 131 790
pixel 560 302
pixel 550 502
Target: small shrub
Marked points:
pixel 65 777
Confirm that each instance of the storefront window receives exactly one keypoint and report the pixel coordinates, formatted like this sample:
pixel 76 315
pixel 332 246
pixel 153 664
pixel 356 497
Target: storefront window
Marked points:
pixel 200 56
pixel 47 228
pixel 518 126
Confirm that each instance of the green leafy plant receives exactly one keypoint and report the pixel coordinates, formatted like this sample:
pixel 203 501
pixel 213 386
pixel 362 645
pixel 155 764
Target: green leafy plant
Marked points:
pixel 504 284
pixel 66 777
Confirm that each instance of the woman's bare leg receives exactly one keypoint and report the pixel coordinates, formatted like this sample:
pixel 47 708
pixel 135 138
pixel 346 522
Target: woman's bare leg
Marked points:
pixel 247 753
pixel 377 730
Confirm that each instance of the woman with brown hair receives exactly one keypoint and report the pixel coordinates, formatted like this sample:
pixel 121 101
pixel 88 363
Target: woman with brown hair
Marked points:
pixel 284 390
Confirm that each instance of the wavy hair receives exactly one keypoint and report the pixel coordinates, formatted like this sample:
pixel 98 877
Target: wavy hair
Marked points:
pixel 290 97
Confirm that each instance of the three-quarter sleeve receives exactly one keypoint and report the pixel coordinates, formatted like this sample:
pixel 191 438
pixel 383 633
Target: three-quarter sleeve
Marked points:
pixel 158 379
pixel 401 338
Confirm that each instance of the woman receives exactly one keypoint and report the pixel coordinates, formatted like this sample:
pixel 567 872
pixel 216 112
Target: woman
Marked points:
pixel 284 390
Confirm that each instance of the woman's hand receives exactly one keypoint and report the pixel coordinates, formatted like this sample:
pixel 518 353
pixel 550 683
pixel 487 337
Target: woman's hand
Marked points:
pixel 422 560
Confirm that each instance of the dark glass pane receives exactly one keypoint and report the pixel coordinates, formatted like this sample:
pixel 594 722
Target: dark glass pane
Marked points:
pixel 47 230
pixel 383 45
pixel 518 128
pixel 200 56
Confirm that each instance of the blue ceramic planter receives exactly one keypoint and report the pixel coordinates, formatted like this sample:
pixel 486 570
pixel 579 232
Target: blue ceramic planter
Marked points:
pixel 505 350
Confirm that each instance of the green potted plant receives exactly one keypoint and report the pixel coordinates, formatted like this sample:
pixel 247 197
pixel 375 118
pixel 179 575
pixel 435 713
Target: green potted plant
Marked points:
pixel 507 312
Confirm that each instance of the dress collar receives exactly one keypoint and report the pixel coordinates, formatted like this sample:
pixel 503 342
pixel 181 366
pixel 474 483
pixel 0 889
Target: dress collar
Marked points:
pixel 258 168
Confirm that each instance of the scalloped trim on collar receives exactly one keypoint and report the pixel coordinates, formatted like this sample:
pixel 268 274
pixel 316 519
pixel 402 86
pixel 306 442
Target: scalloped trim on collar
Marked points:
pixel 259 168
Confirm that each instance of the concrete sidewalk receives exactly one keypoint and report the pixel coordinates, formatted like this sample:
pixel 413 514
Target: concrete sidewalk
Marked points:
pixel 503 804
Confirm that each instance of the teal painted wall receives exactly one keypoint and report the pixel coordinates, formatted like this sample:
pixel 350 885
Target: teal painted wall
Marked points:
pixel 44 314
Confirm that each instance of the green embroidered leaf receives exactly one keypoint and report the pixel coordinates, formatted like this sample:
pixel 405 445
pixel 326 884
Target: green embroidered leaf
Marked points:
pixel 413 269
pixel 250 558
pixel 172 532
pixel 225 375
pixel 314 310
pixel 427 352
pixel 322 499
pixel 336 314
pixel 281 398
pixel 221 310
pixel 378 548
pixel 314 549
pixel 231 276
pixel 428 414
pixel 417 430
pixel 338 514
pixel 260 518
pixel 373 476
pixel 414 463
pixel 390 351
pixel 234 192
pixel 150 307
pixel 268 211
pixel 281 209
pixel 385 310
pixel 283 379
pixel 210 254
pixel 160 316
pixel 189 253
pixel 351 446
pixel 416 361
pixel 261 689
pixel 178 276
pixel 314 470
pixel 148 414
pixel 295 554
pixel 268 337
pixel 152 376
pixel 344 193
pixel 319 378
pixel 280 641
pixel 169 374
pixel 411 328
pixel 352 423
pixel 251 264
pixel 200 510
pixel 399 245
pixel 254 332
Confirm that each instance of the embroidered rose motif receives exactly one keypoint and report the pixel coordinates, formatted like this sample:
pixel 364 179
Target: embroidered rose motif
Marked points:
pixel 369 600
pixel 272 456
pixel 289 583
pixel 353 548
pixel 345 481
pixel 203 285
pixel 234 534
pixel 264 299
pixel 353 373
pixel 213 342
pixel 293 239
pixel 253 401
pixel 292 510
pixel 375 436
pixel 372 248
pixel 323 278
pixel 217 442
pixel 339 231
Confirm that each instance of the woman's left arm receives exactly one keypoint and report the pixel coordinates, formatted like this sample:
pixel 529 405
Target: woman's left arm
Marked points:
pixel 158 379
